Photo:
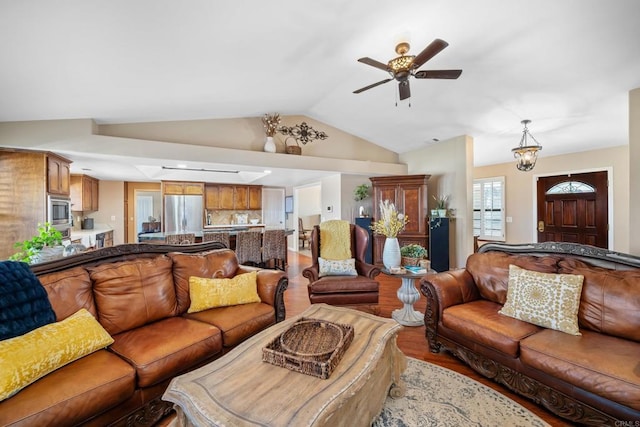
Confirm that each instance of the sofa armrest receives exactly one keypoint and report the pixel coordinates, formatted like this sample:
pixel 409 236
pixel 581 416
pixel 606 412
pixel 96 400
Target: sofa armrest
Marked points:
pixel 449 288
pixel 271 287
pixel 367 270
pixel 312 273
pixel 444 290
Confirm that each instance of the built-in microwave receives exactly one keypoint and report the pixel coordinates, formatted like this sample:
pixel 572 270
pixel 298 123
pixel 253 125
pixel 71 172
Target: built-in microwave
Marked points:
pixel 59 212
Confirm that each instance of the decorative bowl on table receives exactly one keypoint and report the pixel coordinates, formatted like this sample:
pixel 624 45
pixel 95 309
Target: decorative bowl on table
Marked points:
pixel 254 221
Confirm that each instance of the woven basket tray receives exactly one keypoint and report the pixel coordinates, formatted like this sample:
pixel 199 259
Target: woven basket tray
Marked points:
pixel 310 346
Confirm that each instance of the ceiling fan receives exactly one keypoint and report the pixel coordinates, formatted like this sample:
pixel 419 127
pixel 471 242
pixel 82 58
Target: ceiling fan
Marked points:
pixel 404 66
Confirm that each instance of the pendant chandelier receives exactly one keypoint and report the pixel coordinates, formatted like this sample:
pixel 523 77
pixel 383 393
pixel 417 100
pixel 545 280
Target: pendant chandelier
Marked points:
pixel 525 154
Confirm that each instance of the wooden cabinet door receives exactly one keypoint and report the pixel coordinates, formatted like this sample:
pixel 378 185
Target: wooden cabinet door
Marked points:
pixel 241 197
pixel 58 181
pixel 255 197
pixel 212 197
pixel 172 188
pixel 411 200
pixel 65 178
pixel 94 194
pixel 226 197
pixel 87 194
pixel 196 188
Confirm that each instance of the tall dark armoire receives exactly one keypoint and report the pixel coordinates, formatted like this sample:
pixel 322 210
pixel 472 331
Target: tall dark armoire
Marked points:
pixel 439 244
pixel 409 194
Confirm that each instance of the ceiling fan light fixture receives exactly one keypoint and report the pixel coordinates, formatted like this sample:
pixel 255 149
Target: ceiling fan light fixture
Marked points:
pixel 401 63
pixel 526 154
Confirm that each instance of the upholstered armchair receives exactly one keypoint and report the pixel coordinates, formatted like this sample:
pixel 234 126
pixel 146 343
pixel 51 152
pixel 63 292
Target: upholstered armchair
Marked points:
pixel 343 289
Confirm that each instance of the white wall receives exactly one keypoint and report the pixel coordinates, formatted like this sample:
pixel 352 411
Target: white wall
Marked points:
pixel 520 195
pixel 349 206
pixel 449 164
pixel 634 171
pixel 331 198
pixel 111 204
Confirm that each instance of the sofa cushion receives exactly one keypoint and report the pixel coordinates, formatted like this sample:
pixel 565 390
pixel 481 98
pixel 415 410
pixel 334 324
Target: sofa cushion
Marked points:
pixel 73 393
pixel 24 305
pixel 239 322
pixel 69 291
pixel 166 348
pixel 27 358
pixel 130 294
pixel 215 263
pixel 544 299
pixel 610 301
pixel 337 284
pixel 211 293
pixel 490 271
pixel 345 267
pixel 480 322
pixel 604 365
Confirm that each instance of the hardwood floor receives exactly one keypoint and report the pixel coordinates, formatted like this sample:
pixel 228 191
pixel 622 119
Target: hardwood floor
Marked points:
pixel 411 340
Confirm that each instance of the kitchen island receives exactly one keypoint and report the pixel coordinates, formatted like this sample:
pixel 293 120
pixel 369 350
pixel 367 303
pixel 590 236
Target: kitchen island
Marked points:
pixel 233 230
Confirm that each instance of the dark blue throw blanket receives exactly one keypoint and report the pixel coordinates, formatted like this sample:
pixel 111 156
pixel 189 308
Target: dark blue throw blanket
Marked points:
pixel 24 304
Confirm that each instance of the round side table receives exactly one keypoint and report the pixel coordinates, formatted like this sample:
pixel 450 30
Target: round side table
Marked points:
pixel 408 295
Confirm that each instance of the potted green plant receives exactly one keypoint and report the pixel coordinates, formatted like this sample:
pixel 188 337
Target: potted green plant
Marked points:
pixel 412 254
pixel 45 245
pixel 360 193
pixel 441 205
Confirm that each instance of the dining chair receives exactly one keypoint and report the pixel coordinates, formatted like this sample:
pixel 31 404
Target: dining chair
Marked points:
pixel 274 249
pixel 180 239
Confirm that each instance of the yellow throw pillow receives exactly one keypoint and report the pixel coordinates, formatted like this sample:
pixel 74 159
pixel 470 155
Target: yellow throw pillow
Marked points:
pixel 26 358
pixel 211 293
pixel 544 299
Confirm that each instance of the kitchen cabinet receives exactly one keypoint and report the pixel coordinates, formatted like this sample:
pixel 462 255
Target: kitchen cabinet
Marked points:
pixel 233 197
pixel 409 194
pixel 182 188
pixel 58 175
pixel 255 197
pixel 84 193
pixel 25 183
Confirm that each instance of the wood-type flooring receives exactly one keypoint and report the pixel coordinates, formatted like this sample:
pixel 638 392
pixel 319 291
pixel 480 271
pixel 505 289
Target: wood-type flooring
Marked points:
pixel 411 340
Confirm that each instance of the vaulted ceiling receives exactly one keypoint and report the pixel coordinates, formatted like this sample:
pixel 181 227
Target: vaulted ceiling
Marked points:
pixel 567 65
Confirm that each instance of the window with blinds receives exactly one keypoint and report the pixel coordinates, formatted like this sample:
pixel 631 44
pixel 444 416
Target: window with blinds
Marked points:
pixel 488 208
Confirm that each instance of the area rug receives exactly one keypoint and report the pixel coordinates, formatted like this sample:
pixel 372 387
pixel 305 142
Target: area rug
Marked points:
pixel 437 396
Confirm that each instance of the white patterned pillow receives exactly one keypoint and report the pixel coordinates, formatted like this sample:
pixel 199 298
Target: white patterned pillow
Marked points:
pixel 330 267
pixel 544 299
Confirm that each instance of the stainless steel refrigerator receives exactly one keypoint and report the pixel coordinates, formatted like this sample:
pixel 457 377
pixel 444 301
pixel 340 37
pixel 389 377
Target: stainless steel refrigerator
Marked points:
pixel 183 214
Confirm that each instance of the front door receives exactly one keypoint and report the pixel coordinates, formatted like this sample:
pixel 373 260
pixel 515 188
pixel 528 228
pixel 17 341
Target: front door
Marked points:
pixel 573 208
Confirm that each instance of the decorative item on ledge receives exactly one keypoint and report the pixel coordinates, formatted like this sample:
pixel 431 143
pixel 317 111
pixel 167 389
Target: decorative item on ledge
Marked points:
pixel 270 123
pixel 441 206
pixel 292 149
pixel 303 133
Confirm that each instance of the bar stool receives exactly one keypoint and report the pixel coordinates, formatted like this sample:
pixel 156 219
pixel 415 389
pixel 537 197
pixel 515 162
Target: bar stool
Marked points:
pixel 216 236
pixel 180 239
pixel 248 247
pixel 274 249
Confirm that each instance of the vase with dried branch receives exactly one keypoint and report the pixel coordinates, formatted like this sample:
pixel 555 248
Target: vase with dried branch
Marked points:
pixel 270 123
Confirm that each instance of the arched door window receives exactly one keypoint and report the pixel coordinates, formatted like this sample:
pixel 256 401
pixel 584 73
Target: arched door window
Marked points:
pixel 571 187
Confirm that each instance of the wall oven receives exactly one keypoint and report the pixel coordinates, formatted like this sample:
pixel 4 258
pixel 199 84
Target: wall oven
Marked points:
pixel 59 213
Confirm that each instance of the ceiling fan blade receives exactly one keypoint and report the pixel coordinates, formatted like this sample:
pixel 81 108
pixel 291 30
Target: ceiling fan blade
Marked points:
pixel 429 52
pixel 405 92
pixel 372 86
pixel 438 74
pixel 374 63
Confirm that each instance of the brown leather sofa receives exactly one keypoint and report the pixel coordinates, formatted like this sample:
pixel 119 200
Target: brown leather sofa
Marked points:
pixel 591 379
pixel 343 290
pixel 155 338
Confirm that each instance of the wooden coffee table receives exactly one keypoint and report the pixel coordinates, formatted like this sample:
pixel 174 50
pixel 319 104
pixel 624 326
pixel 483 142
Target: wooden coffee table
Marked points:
pixel 239 389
